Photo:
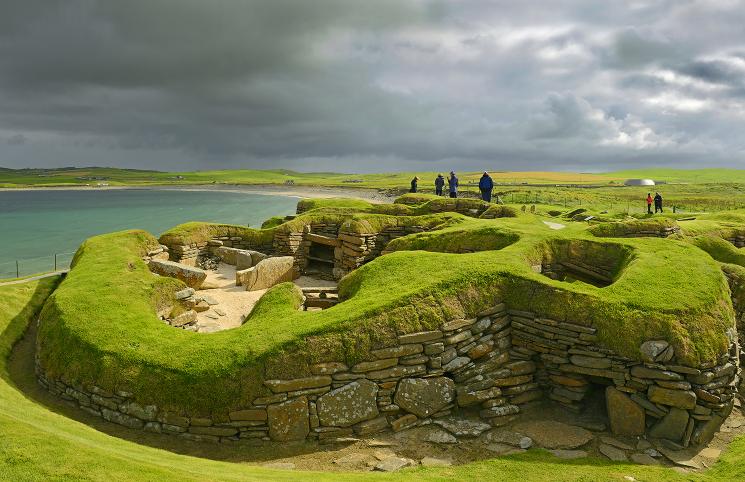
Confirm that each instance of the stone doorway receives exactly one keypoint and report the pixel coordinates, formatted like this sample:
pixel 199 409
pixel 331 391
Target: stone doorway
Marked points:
pixel 320 260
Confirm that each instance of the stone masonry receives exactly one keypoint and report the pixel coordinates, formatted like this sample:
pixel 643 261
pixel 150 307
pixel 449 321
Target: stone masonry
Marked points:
pixel 491 365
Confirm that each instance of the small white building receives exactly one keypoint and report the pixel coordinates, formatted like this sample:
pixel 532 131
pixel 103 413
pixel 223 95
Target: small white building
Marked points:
pixel 638 182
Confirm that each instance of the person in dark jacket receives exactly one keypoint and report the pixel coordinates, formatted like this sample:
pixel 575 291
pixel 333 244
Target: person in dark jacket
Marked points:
pixel 439 184
pixel 657 202
pixel 414 184
pixel 485 186
pixel 453 184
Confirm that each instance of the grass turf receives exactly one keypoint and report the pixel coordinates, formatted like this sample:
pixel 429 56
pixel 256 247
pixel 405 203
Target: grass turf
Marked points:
pixel 39 444
pixel 100 327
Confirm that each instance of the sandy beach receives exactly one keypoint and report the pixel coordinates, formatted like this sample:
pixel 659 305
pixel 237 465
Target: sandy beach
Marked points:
pixel 316 192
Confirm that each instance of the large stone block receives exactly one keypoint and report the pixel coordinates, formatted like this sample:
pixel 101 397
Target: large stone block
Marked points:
pixel 228 255
pixel 685 399
pixel 672 426
pixel 267 273
pixel 289 420
pixel 354 402
pixel 247 258
pixel 424 396
pixel 626 416
pixel 191 276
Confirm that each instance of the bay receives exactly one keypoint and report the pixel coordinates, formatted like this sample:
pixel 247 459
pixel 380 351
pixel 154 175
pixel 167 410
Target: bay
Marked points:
pixel 36 224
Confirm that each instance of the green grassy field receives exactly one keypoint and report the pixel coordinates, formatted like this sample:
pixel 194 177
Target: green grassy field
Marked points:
pixel 689 190
pixel 113 176
pixel 39 444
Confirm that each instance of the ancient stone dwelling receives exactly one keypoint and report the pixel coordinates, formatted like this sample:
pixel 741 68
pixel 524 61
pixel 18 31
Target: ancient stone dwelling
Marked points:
pixel 489 366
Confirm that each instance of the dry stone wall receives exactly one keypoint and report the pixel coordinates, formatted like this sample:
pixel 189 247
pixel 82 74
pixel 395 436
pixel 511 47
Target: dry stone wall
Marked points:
pixel 656 396
pixel 189 254
pixel 491 364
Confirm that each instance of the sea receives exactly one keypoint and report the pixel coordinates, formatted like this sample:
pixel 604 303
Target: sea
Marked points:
pixel 36 225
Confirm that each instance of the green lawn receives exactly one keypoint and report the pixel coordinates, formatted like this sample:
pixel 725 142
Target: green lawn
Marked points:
pixel 39 444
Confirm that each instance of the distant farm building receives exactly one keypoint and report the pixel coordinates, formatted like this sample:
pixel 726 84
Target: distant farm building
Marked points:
pixel 638 182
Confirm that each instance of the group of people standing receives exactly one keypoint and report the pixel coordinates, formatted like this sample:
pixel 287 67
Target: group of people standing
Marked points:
pixel 657 199
pixel 485 185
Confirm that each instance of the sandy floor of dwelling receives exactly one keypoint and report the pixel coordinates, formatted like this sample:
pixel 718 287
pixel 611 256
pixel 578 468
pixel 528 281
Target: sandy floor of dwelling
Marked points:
pixel 234 303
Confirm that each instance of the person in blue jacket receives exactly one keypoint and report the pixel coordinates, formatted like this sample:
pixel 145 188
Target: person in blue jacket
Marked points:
pixel 453 184
pixel 485 186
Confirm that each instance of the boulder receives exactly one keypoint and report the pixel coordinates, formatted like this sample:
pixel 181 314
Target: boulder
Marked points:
pixel 191 276
pixel 626 416
pixel 267 273
pixel 354 402
pixel 288 420
pixel 672 426
pixel 424 396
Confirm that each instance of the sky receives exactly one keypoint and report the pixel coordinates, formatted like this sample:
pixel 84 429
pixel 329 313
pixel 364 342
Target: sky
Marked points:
pixel 369 86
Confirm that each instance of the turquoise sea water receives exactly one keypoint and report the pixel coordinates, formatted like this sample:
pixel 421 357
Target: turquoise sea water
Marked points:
pixel 34 225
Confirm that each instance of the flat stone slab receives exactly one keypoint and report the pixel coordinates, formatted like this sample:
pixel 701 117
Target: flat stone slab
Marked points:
pixel 644 459
pixel 681 457
pixel 440 436
pixel 613 453
pixel 391 464
pixel 554 435
pixel 191 276
pixel 510 438
pixel 463 428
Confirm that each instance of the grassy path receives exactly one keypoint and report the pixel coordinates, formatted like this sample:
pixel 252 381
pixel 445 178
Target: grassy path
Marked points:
pixel 33 278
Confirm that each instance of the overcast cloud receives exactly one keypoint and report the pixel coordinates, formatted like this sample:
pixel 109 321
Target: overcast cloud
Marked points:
pixel 378 85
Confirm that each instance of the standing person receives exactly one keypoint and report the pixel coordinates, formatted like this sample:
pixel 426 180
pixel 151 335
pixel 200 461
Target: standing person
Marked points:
pixel 439 184
pixel 649 203
pixel 453 184
pixel 414 184
pixel 485 186
pixel 657 202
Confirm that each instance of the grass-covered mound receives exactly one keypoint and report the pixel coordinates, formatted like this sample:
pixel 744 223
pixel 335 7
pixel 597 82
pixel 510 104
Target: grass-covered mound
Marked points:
pixel 100 326
pixel 632 227
pixel 456 240
pixel 39 444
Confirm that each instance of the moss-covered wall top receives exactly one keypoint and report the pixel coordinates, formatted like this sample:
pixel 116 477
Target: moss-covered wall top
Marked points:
pixel 100 325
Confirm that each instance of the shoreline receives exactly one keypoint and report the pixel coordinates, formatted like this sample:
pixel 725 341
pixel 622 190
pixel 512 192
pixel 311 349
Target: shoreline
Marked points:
pixel 307 192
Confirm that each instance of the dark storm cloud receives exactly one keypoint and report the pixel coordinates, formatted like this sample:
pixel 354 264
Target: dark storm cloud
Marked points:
pixel 354 86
